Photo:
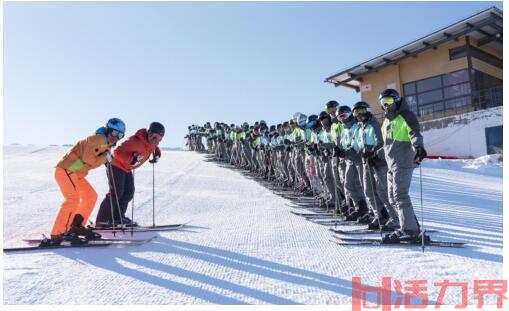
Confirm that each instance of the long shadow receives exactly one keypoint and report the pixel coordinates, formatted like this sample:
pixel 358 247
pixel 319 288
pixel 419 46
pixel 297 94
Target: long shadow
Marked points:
pixel 215 256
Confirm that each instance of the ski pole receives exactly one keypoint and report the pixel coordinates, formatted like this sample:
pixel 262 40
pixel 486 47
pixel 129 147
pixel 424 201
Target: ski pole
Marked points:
pixel 422 210
pixel 132 210
pixel 116 194
pixel 374 199
pixel 110 181
pixel 153 196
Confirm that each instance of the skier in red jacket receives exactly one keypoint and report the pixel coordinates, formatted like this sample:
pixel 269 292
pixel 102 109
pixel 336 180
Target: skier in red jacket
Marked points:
pixel 130 155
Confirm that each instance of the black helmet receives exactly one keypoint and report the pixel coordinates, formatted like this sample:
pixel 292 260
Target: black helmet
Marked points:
pixel 324 115
pixel 272 128
pixel 359 105
pixel 384 98
pixel 361 111
pixel 344 111
pixel 156 127
pixel 331 104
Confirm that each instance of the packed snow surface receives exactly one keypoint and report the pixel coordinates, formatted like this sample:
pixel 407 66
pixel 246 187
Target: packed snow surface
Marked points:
pixel 242 246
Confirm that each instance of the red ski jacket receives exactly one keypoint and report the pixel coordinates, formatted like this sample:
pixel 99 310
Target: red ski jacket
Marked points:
pixel 133 152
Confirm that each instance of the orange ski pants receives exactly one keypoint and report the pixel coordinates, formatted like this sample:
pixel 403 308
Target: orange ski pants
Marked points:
pixel 79 197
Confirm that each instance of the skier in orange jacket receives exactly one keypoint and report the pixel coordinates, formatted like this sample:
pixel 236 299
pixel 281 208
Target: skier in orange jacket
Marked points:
pixel 70 173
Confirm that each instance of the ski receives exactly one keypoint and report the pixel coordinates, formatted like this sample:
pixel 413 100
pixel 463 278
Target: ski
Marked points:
pixel 313 214
pixel 378 241
pixel 332 222
pixel 92 243
pixel 99 241
pixel 139 228
pixel 365 231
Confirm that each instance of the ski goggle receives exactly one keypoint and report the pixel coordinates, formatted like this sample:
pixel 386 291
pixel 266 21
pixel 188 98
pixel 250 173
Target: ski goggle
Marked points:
pixel 386 102
pixel 117 134
pixel 359 111
pixel 343 115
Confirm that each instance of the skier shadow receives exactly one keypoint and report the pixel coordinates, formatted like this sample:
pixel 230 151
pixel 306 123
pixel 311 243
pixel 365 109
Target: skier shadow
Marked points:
pixel 166 273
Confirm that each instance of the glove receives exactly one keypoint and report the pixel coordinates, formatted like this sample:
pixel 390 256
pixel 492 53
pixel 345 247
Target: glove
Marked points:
pixel 155 156
pixel 368 154
pixel 341 153
pixel 420 154
pixel 136 159
pixel 287 142
pixel 108 156
pixel 335 151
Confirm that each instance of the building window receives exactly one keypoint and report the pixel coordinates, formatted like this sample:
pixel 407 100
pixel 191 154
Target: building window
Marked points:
pixel 437 95
pixel 494 139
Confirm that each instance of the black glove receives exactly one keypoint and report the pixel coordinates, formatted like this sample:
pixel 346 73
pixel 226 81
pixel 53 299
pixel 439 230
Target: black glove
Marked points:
pixel 341 153
pixel 420 154
pixel 368 154
pixel 335 151
pixel 287 141
pixel 136 159
pixel 155 156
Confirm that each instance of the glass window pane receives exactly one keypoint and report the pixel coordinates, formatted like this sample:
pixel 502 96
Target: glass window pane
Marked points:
pixel 409 88
pixel 429 84
pixel 457 90
pixel 412 103
pixel 425 110
pixel 456 77
pixel 438 107
pixel 429 97
pixel 458 103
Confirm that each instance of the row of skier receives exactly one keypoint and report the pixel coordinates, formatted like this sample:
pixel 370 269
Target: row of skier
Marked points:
pixel 354 164
pixel 90 153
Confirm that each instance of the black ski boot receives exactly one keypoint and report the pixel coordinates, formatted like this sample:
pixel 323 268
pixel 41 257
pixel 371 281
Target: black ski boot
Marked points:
pixel 78 229
pixel 400 236
pixel 376 223
pixel 128 222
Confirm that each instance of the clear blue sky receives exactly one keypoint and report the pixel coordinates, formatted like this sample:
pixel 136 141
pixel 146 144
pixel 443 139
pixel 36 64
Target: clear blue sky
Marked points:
pixel 68 67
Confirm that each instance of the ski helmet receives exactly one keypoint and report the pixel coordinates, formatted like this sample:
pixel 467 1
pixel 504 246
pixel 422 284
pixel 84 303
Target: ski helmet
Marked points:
pixel 312 121
pixel 344 112
pixel 156 127
pixel 389 97
pixel 115 127
pixel 296 117
pixel 116 124
pixel 332 104
pixel 361 111
pixel 323 115
pixel 302 120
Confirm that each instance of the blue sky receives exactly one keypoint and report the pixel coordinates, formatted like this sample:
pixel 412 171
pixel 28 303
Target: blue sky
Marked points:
pixel 68 67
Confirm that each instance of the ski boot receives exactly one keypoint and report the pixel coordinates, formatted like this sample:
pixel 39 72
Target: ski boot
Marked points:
pixel 128 222
pixel 390 225
pixel 376 223
pixel 400 236
pixel 78 229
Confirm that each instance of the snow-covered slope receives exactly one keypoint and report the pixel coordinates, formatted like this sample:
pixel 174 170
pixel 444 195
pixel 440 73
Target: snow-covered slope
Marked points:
pixel 243 245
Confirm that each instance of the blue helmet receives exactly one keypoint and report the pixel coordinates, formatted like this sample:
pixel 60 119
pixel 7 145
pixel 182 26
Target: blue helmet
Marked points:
pixel 116 124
